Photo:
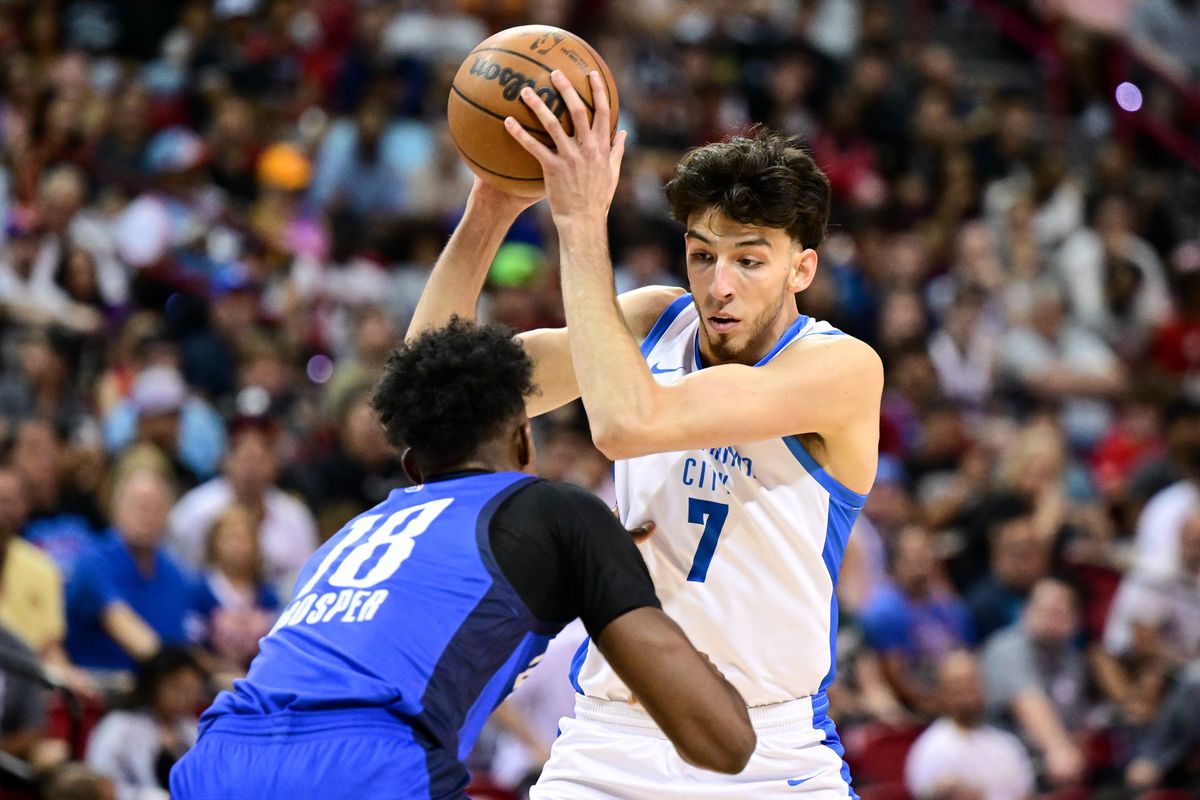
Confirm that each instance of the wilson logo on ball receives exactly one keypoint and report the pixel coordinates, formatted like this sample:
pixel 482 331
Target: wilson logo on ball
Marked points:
pixel 513 82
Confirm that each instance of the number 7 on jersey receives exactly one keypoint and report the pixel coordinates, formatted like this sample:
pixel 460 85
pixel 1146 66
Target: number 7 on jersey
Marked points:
pixel 711 515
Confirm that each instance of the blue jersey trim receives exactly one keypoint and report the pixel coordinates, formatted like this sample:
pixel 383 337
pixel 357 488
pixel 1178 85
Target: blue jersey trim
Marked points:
pixel 828 482
pixel 664 321
pixel 838 522
pixel 788 336
pixel 448 686
pixel 577 664
pixel 785 339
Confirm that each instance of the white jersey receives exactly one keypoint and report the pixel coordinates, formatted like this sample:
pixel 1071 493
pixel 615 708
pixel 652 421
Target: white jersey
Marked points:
pixel 748 545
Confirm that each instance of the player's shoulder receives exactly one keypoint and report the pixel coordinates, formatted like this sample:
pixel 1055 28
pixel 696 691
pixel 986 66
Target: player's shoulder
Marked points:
pixel 848 351
pixel 559 496
pixel 643 306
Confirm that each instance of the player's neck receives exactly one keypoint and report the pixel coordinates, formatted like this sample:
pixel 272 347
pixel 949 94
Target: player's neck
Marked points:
pixel 757 348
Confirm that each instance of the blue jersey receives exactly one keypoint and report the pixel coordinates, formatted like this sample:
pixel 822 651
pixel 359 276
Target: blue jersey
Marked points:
pixel 404 610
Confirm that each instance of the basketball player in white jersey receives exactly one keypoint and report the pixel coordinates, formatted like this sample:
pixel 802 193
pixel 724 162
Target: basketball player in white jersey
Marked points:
pixel 745 430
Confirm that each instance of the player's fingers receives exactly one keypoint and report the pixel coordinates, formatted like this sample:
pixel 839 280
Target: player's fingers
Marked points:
pixel 535 148
pixel 600 122
pixel 618 151
pixel 546 117
pixel 642 532
pixel 578 111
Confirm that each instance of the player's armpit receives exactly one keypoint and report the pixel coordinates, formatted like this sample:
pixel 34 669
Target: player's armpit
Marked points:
pixel 550 349
pixel 702 714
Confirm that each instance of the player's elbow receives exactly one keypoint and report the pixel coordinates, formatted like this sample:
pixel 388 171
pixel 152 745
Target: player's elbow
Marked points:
pixel 721 749
pixel 618 438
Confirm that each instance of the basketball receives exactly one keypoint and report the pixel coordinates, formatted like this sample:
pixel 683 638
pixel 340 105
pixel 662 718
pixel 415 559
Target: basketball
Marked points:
pixel 487 88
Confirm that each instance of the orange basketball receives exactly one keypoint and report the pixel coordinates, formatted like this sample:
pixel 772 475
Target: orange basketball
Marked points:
pixel 488 87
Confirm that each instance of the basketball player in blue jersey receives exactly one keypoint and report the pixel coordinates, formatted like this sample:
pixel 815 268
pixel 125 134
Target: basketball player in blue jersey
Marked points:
pixel 746 430
pixel 416 619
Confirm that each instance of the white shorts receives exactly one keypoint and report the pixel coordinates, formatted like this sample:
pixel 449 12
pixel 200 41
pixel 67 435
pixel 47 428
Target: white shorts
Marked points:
pixel 612 751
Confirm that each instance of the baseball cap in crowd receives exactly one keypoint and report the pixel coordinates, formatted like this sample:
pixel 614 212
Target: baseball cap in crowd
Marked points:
pixel 158 390
pixel 284 166
pixel 230 278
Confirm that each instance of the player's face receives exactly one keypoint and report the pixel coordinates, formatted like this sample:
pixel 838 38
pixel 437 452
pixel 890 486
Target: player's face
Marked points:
pixel 743 280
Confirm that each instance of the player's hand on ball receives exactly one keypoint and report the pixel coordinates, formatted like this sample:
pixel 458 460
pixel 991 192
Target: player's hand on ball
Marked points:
pixel 501 202
pixel 581 172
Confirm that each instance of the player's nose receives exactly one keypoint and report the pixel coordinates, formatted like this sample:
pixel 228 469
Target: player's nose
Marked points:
pixel 721 287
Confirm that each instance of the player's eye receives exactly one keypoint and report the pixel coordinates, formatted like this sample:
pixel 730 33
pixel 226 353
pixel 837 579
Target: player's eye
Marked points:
pixel 749 262
pixel 699 256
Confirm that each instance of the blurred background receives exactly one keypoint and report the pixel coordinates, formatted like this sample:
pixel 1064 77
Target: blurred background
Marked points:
pixel 219 216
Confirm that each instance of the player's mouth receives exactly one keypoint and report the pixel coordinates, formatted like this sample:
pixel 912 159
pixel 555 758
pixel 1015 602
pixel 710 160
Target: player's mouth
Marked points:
pixel 721 323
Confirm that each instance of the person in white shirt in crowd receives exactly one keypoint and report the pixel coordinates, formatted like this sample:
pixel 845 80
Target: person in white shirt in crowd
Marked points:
pixel 287 531
pixel 959 755
pixel 1156 613
pixel 137 747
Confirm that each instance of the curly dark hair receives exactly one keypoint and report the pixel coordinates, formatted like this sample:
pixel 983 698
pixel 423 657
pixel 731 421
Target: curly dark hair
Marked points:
pixel 764 178
pixel 449 389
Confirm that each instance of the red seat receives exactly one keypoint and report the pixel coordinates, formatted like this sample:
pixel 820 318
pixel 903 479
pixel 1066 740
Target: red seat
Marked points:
pixel 876 753
pixel 59 724
pixel 1167 794
pixel 482 788
pixel 891 790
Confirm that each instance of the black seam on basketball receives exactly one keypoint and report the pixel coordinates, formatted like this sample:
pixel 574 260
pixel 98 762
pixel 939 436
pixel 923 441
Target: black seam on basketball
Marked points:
pixel 546 67
pixel 492 171
pixel 501 117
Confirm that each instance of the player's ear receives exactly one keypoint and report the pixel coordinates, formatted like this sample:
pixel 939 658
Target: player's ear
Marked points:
pixel 408 463
pixel 802 268
pixel 525 450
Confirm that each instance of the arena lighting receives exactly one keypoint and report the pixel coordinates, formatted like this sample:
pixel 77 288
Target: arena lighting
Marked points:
pixel 1129 96
pixel 319 369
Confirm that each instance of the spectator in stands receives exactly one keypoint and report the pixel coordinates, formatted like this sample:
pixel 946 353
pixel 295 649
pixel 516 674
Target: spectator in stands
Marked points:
pixel 1052 359
pixel 359 472
pixel 1156 543
pixel 959 755
pixel 1156 616
pixel 22 699
pixel 128 597
pixel 1019 559
pixel 248 605
pixel 1174 737
pixel 46 382
pixel 1115 282
pixel 136 747
pixel 62 521
pixel 917 621
pixel 78 782
pixel 31 590
pixel 287 533
pixel 1035 677
pixel 175 433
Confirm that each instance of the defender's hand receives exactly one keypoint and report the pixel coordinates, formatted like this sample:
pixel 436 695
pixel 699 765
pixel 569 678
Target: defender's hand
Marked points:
pixel 581 172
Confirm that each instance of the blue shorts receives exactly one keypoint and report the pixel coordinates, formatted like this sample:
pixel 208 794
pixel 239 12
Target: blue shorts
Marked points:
pixel 362 754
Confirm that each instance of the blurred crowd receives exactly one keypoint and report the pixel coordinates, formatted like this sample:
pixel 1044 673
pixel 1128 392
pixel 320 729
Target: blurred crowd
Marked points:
pixel 219 215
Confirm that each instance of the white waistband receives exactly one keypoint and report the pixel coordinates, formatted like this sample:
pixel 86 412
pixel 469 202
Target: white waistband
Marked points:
pixel 803 713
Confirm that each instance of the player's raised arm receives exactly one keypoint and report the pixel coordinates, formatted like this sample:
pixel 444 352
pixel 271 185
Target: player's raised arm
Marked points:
pixel 550 348
pixel 457 278
pixel 824 387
